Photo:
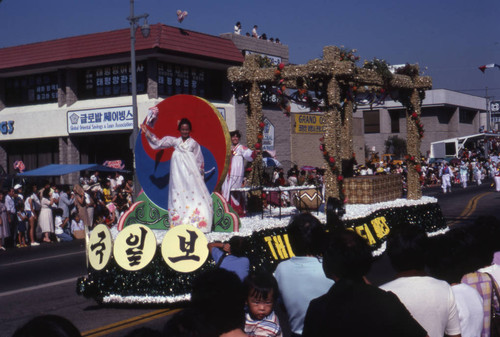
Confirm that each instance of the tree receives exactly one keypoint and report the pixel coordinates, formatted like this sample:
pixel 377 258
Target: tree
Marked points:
pixel 396 146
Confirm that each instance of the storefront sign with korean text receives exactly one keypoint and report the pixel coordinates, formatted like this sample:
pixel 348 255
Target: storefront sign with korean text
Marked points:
pixel 100 120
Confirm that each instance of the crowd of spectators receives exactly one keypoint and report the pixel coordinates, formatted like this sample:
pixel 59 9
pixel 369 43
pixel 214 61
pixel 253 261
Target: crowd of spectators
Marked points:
pixel 29 215
pixel 470 167
pixel 255 34
pixel 443 287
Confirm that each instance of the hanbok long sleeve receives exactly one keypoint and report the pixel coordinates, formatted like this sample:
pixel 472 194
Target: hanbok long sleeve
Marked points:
pixel 189 201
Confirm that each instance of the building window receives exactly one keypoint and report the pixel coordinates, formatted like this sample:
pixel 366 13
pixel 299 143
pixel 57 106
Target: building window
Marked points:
pixel 110 81
pixel 33 89
pixel 394 114
pixel 466 116
pixel 372 121
pixel 33 153
pixel 176 79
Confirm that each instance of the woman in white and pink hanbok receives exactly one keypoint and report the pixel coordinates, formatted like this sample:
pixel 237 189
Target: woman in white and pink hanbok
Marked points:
pixel 189 201
pixel 236 173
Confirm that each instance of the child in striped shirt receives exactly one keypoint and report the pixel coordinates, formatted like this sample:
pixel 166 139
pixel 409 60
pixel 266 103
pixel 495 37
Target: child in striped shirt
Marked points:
pixel 260 318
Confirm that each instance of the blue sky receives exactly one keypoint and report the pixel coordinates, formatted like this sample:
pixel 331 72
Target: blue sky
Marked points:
pixel 451 38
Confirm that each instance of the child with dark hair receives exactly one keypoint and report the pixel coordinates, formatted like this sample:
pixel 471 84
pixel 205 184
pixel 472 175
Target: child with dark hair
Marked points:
pixel 231 255
pixel 22 224
pixel 262 291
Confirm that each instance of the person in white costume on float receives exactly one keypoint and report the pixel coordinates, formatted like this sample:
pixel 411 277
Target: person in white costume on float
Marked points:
pixel 189 201
pixel 236 173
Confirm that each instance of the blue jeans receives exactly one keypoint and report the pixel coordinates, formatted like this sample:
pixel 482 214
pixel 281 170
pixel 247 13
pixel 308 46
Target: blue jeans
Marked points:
pixel 65 237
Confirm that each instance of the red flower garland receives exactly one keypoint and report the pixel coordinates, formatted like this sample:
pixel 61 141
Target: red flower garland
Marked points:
pixel 260 136
pixel 412 160
pixel 420 127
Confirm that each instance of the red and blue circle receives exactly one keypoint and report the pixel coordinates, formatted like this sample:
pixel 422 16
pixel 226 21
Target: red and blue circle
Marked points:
pixel 208 128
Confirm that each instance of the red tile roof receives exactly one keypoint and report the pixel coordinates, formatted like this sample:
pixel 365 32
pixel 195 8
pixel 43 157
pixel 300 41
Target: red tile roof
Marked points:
pixel 115 42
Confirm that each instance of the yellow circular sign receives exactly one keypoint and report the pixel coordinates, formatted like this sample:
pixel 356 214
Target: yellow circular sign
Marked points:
pixel 135 247
pixel 99 247
pixel 184 248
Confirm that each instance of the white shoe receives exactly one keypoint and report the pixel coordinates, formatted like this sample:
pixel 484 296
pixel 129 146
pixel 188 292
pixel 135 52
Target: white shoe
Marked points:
pixel 35 244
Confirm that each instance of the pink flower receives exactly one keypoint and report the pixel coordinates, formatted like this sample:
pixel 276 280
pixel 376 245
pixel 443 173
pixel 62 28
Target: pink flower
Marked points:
pixel 202 224
pixel 281 66
pixel 175 217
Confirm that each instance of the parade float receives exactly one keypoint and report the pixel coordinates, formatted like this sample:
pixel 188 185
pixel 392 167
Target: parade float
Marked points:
pixel 148 260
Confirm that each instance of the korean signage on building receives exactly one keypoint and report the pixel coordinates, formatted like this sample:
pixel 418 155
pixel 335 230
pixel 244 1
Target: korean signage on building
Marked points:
pixel 307 123
pixel 100 120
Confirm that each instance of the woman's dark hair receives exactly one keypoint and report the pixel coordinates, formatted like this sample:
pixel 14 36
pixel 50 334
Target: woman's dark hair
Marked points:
pixel 218 296
pixel 46 193
pixel 445 257
pixel 348 256
pixel 260 284
pixel 407 248
pixel 186 122
pixel 238 246
pixel 235 133
pixel 144 332
pixel 189 322
pixel 307 235
pixel 48 325
pixel 479 241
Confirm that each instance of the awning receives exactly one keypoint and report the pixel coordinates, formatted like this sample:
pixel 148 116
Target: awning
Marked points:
pixel 62 169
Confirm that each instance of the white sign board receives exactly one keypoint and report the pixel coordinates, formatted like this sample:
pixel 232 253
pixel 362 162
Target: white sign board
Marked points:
pixel 275 60
pixel 100 120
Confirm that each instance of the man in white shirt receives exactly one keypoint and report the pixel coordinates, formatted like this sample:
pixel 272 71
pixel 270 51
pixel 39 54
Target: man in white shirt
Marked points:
pixel 10 204
pixel 430 301
pixel 254 32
